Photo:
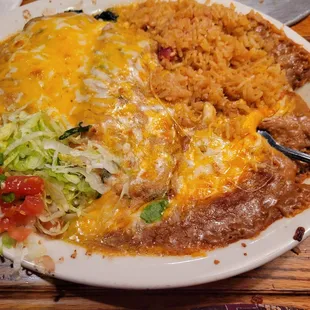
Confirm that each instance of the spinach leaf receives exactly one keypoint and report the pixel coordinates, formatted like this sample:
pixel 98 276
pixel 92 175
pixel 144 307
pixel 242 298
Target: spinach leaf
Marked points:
pixel 107 16
pixel 1 159
pixel 74 131
pixel 153 212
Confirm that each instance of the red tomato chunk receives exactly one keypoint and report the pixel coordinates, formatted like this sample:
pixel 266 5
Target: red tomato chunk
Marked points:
pixel 19 233
pixel 27 205
pixel 23 185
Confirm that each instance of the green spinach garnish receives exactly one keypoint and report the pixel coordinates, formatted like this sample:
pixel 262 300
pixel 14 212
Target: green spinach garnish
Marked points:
pixel 75 130
pixel 154 211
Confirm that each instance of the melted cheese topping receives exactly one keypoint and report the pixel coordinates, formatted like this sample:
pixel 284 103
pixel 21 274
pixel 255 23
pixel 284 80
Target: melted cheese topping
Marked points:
pixel 213 165
pixel 99 73
pixel 42 66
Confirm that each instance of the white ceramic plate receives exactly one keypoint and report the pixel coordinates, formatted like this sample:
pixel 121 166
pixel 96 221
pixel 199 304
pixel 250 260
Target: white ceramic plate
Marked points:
pixel 8 5
pixel 158 272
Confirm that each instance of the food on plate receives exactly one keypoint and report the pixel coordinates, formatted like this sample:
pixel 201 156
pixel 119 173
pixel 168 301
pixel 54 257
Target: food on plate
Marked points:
pixel 134 131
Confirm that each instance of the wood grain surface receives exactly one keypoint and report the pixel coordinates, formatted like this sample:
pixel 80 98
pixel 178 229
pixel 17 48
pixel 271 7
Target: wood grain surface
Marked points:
pixel 284 281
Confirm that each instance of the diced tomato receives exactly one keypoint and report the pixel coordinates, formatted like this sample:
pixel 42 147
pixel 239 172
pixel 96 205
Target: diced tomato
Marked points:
pixel 11 211
pixel 6 224
pixel 165 53
pixel 6 205
pixel 22 219
pixel 15 218
pixel 27 204
pixel 23 185
pixel 32 205
pixel 19 233
pixel 22 213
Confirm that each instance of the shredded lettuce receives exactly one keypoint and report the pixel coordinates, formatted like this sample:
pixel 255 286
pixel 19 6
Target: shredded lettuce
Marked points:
pixel 71 167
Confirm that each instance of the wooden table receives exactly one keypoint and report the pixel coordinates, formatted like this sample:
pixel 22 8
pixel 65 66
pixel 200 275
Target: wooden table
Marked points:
pixel 285 281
